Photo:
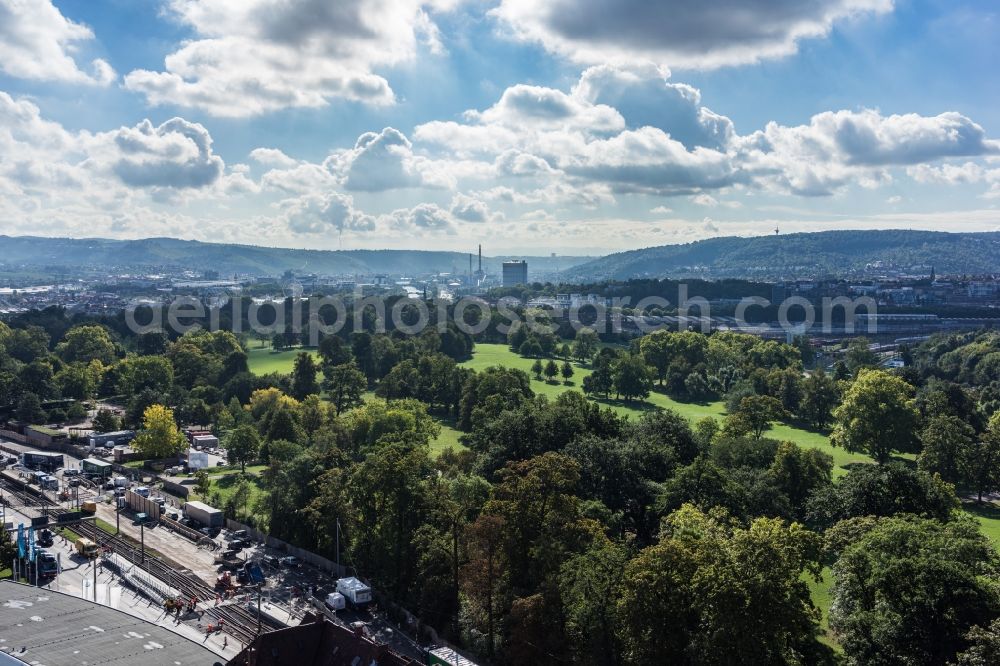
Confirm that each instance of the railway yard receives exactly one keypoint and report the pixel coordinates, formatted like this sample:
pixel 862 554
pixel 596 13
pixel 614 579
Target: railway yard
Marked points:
pixel 141 566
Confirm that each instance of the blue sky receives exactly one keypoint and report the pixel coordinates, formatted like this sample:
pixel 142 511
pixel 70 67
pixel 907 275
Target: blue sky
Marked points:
pixel 571 126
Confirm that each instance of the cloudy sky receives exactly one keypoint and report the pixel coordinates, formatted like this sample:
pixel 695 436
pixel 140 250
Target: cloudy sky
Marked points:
pixel 569 126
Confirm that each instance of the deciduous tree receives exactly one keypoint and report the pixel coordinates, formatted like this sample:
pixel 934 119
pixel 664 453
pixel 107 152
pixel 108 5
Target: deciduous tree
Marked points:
pixel 243 445
pixel 877 416
pixel 159 437
pixel 345 385
pixel 909 590
pixel 946 441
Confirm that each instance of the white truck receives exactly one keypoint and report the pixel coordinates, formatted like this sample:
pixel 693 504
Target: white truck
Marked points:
pixel 357 594
pixel 197 459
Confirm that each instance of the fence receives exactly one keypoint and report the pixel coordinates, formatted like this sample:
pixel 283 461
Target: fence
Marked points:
pixel 183 530
pixel 141 504
pixel 136 578
pixel 15 436
pixel 175 488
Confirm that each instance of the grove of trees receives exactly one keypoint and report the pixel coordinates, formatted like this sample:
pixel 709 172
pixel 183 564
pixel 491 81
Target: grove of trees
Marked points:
pixel 561 530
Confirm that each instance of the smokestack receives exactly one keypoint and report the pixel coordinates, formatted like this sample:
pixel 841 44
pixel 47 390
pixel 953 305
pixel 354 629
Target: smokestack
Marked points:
pixel 480 257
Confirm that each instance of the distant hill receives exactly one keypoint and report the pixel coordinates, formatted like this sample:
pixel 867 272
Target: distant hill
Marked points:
pixel 802 255
pixel 76 253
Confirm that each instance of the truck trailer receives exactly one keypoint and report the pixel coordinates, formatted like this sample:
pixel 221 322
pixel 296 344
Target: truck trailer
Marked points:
pixel 445 656
pixel 358 594
pixel 108 440
pixel 97 469
pixel 45 461
pixel 204 514
pixel 203 442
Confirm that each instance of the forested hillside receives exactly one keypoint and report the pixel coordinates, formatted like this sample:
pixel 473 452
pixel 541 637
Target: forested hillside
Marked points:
pixel 53 253
pixel 802 255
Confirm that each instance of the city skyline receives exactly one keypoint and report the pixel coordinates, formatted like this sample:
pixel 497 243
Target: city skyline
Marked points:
pixel 575 129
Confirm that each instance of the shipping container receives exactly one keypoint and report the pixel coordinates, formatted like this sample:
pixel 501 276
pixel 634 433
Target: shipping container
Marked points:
pixel 204 514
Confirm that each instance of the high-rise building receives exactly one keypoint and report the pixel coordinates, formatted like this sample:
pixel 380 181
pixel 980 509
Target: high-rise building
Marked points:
pixel 515 273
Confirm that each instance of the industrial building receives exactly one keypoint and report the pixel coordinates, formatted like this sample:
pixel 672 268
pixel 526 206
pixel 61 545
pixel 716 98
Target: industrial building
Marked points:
pixel 47 627
pixel 515 272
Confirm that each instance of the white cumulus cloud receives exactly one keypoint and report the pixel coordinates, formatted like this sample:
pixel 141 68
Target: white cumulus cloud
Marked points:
pixel 252 57
pixel 38 42
pixel 678 33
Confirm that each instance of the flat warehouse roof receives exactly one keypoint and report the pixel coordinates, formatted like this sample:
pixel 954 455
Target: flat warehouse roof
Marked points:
pixel 45 627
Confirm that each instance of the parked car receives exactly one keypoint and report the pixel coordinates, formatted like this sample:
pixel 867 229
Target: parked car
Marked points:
pixel 71 472
pixel 272 561
pixel 291 562
pixel 237 535
pixel 142 491
pixel 74 482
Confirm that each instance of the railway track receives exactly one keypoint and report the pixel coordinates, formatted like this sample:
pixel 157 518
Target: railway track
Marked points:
pixel 236 620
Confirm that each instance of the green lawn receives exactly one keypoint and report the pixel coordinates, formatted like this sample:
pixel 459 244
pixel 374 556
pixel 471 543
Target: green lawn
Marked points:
pixel 486 355
pixel 447 438
pixel 988 516
pixel 226 484
pixel 821 593
pixel 263 361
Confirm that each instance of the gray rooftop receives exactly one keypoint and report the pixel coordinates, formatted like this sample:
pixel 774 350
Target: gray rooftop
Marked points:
pixel 38 626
